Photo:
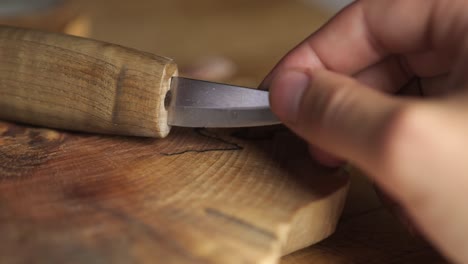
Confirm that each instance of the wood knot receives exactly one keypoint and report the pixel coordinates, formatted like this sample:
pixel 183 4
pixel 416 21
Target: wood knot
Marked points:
pixel 24 149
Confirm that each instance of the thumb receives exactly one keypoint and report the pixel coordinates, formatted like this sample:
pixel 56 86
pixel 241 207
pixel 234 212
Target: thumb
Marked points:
pixel 333 112
pixel 415 150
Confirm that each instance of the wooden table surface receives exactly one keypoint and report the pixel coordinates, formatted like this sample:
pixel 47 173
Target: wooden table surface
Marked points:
pixel 253 35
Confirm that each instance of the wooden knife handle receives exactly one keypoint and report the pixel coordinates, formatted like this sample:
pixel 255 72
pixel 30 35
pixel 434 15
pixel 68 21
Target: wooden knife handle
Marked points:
pixel 73 83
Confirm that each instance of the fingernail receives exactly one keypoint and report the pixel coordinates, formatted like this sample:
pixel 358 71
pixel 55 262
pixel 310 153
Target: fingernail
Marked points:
pixel 286 90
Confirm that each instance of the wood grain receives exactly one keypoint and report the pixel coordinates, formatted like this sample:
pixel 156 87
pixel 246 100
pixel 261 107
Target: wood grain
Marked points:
pixel 68 82
pixel 367 233
pixel 199 196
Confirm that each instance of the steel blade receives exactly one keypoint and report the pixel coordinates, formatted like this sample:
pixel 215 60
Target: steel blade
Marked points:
pixel 195 103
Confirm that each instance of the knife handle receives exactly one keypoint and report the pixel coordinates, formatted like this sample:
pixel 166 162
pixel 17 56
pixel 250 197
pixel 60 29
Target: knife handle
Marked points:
pixel 73 83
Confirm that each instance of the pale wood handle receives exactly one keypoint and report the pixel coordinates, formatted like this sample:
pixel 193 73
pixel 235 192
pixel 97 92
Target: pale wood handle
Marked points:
pixel 73 83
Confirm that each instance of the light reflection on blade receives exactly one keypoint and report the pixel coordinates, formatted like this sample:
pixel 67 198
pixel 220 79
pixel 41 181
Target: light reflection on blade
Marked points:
pixel 195 103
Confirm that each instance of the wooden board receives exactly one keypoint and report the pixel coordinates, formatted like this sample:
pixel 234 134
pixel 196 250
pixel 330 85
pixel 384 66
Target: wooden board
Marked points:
pixel 368 232
pixel 199 196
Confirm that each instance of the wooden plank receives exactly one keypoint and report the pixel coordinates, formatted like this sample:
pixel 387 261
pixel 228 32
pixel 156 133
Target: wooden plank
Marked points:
pixel 199 196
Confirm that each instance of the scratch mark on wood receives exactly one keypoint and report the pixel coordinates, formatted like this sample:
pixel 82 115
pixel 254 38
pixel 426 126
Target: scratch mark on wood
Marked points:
pixel 231 146
pixel 118 93
pixel 240 222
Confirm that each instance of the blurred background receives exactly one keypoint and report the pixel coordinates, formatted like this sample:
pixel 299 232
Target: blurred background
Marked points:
pixel 236 41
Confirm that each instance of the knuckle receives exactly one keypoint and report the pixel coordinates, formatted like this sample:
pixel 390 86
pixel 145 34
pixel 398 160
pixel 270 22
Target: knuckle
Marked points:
pixel 326 109
pixel 398 142
pixel 409 155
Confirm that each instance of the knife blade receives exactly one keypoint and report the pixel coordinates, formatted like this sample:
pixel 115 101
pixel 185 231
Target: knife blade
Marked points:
pixel 195 103
pixel 79 84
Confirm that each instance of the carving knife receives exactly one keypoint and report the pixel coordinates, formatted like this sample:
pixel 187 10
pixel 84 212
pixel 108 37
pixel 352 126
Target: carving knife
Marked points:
pixel 73 83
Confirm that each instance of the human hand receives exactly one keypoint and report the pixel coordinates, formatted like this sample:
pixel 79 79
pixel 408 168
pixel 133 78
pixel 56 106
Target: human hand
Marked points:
pixel 335 90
